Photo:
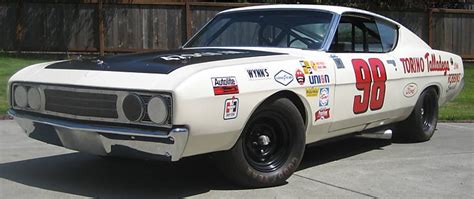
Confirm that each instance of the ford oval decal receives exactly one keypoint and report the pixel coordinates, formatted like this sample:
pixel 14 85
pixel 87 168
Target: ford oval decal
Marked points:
pixel 410 90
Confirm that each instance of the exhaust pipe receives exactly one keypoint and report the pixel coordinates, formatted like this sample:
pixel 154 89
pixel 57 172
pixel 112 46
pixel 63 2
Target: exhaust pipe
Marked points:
pixel 381 134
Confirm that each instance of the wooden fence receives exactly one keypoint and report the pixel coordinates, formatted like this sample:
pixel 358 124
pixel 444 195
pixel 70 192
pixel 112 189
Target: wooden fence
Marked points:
pixel 143 25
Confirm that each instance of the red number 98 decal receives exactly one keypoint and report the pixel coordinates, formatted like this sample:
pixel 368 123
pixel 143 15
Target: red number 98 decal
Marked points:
pixel 371 81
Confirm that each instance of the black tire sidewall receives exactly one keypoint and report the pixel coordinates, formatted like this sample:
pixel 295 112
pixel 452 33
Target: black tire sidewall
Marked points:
pixel 244 173
pixel 412 129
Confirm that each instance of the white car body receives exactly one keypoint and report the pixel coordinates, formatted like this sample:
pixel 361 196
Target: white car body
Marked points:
pixel 209 128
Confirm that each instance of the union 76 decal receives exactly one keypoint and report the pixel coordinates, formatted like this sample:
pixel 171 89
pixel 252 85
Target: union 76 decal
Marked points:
pixel 370 79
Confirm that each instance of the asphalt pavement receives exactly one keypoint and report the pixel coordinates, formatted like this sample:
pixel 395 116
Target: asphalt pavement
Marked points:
pixel 351 168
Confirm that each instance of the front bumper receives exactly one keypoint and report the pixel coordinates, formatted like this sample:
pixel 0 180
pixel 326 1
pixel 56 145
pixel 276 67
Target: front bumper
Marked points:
pixel 104 139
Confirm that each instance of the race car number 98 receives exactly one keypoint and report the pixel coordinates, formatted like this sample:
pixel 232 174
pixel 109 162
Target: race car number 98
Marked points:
pixel 371 81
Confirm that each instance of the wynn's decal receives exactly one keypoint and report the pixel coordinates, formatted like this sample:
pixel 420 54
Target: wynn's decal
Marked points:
pixel 283 77
pixel 258 73
pixel 322 113
pixel 323 97
pixel 231 108
pixel 312 92
pixel 300 77
pixel 429 63
pixel 225 85
pixel 371 81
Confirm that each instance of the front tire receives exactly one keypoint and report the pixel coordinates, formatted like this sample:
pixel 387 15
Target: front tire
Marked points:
pixel 270 147
pixel 421 124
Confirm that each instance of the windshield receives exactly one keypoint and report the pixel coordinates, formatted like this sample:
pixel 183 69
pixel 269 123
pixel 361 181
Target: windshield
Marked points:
pixel 282 28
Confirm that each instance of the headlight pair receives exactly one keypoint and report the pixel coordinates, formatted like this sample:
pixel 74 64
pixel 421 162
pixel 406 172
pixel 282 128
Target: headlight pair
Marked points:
pixel 135 108
pixel 27 97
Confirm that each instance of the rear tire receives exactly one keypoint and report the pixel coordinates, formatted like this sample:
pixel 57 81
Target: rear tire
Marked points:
pixel 421 124
pixel 269 149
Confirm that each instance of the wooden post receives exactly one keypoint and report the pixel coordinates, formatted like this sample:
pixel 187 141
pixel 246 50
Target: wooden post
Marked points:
pixel 101 27
pixel 430 27
pixel 19 25
pixel 189 20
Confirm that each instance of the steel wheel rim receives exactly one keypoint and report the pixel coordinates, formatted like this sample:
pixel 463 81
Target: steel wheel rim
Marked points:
pixel 267 157
pixel 427 113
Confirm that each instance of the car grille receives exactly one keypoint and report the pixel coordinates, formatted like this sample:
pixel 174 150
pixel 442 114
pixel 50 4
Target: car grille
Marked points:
pixel 81 103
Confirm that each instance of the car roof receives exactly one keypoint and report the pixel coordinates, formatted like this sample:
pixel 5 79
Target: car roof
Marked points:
pixel 334 9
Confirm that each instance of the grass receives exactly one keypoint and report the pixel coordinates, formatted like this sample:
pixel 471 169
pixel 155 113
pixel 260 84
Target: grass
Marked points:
pixel 8 66
pixel 462 108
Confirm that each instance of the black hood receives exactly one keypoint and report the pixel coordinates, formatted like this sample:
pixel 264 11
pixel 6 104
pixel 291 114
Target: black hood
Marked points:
pixel 157 62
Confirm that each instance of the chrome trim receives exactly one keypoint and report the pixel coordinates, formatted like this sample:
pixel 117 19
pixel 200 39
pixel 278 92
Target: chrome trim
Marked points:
pixel 87 137
pixel 332 32
pixel 121 94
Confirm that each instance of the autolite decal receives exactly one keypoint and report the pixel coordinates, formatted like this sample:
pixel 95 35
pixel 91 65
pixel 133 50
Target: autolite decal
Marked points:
pixel 231 108
pixel 299 77
pixel 225 85
pixel 259 73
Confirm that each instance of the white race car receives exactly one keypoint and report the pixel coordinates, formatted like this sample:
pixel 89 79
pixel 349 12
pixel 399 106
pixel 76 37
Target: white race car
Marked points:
pixel 256 85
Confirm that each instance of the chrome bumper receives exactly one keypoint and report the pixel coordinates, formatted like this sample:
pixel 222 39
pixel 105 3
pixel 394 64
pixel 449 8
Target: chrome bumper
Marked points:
pixel 103 139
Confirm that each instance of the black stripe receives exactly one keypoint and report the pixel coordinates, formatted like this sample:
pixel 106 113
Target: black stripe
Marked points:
pixel 158 62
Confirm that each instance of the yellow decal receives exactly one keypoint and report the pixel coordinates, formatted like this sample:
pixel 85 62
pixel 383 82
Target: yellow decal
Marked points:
pixel 312 92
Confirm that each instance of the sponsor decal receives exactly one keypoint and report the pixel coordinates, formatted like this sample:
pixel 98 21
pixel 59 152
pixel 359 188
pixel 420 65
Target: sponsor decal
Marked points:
pixel 337 61
pixel 185 56
pixel 283 77
pixel 453 80
pixel 258 73
pixel 319 79
pixel 299 77
pixel 312 92
pixel 231 108
pixel 430 62
pixel 410 90
pixel 225 85
pixel 309 67
pixel 323 113
pixel 324 96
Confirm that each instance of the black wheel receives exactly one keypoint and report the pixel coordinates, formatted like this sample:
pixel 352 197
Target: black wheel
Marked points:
pixel 269 149
pixel 421 124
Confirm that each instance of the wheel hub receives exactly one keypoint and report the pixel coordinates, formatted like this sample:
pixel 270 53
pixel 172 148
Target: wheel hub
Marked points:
pixel 263 140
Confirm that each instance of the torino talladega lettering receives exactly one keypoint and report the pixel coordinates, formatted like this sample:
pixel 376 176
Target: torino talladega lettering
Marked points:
pixel 225 85
pixel 429 62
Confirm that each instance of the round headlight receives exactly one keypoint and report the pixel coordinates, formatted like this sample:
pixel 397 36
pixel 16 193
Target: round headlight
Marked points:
pixel 133 107
pixel 20 96
pixel 34 98
pixel 157 110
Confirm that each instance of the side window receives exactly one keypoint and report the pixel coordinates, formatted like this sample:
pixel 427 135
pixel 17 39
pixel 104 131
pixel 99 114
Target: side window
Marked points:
pixel 357 34
pixel 389 35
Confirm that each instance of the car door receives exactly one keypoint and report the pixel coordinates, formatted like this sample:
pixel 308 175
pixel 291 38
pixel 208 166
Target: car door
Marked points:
pixel 365 76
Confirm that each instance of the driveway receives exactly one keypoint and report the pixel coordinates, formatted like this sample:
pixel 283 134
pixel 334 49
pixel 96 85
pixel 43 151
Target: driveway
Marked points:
pixel 351 168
